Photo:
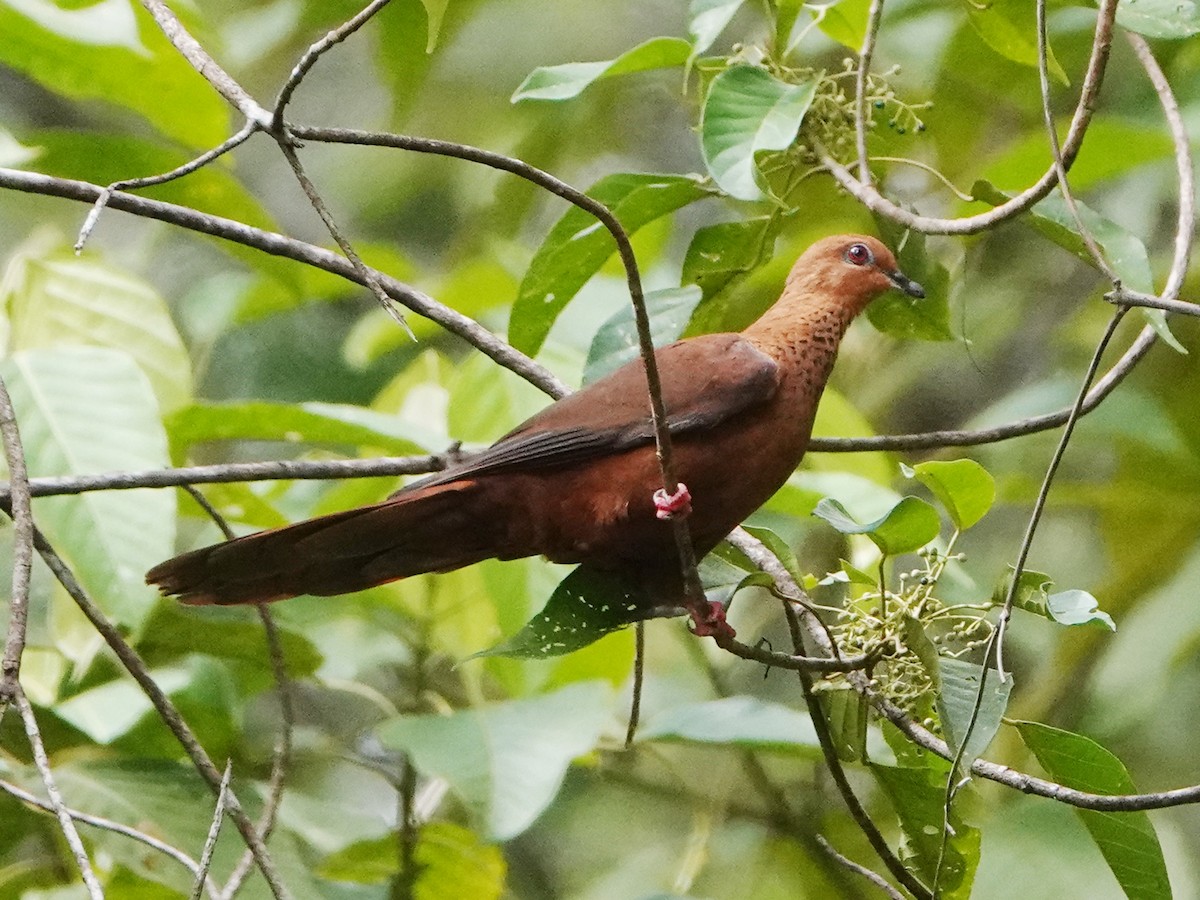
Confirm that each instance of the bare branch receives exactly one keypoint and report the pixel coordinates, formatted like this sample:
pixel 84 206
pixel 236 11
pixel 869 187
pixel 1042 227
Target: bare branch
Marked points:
pixel 309 254
pixel 115 827
pixel 874 17
pixel 214 831
pixel 22 565
pixel 65 822
pixel 313 53
pixel 162 704
pixel 187 168
pixel 1124 296
pixel 191 50
pixel 874 877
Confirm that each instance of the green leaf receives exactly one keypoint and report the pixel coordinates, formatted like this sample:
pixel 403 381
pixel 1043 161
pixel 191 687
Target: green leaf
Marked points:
pixel 747 111
pixel 1125 253
pixel 723 573
pixel 326 424
pixel 577 246
pixel 1159 18
pixel 1076 607
pixel 746 722
pixel 918 798
pixel 707 19
pixel 1031 591
pixel 569 80
pixel 896 313
pixel 616 341
pixel 846 713
pixel 1008 27
pixel 845 21
pixel 786 14
pixel 780 549
pixel 1127 839
pixel 435 11
pixel 588 604
pixel 103 53
pixel 109 537
pixel 55 299
pixel 505 760
pixel 909 525
pixel 963 486
pixel 960 682
pixel 918 641
pixel 453 862
pixel 719 254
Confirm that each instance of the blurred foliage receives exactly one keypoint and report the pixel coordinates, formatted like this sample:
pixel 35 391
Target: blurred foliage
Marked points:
pixel 697 126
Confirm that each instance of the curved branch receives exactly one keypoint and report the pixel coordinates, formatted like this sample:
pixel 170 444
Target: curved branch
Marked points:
pixel 290 248
pixel 870 197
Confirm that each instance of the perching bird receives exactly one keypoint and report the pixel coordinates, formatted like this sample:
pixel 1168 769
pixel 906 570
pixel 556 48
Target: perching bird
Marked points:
pixel 576 482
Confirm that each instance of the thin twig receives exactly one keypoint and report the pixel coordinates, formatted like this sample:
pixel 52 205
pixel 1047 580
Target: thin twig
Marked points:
pixel 279 245
pixel 214 831
pixel 857 812
pixel 313 53
pixel 134 184
pixel 65 823
pixel 1185 229
pixel 208 67
pixel 115 827
pixel 874 877
pixel 639 677
pixel 1124 296
pixel 874 16
pixel 1064 186
pixel 22 564
pixel 162 704
pixel 405 883
pixel 365 274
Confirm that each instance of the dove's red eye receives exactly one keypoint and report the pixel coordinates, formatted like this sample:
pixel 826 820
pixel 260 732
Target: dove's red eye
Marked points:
pixel 859 254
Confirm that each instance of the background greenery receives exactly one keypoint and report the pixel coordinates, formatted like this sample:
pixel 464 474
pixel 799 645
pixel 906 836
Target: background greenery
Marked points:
pixel 159 347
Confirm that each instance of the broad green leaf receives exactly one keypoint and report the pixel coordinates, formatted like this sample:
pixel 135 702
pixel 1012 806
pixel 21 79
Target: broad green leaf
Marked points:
pixel 1125 253
pixel 959 689
pixel 111 538
pixel 103 53
pixel 845 21
pixel 747 111
pixel 898 314
pixel 505 760
pixel 453 862
pixel 1126 839
pixel 918 641
pixel 588 604
pixel 707 19
pixel 723 573
pixel 176 631
pixel 918 798
pixel 1113 148
pixel 746 722
pixel 963 486
pixel 577 246
pixel 719 254
pixel 1160 18
pixel 616 341
pixel 326 424
pixel 106 712
pixel 569 80
pixel 55 299
pixel 1009 28
pixel 909 525
pixel 1076 607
